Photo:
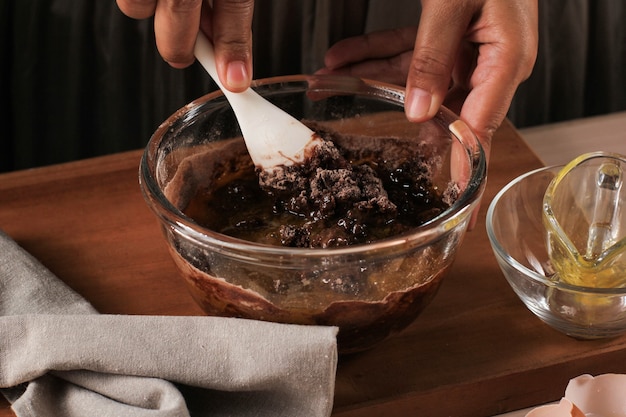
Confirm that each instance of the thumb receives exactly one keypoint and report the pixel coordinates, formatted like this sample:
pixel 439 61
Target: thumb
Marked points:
pixel 231 29
pixel 441 28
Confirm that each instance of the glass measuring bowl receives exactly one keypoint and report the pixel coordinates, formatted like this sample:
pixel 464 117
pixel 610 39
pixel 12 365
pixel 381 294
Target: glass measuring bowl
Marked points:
pixel 582 212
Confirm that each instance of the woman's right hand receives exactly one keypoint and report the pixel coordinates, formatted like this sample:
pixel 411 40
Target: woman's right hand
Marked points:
pixel 228 23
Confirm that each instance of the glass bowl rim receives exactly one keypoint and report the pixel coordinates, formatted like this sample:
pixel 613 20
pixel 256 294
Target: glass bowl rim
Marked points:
pixel 422 234
pixel 518 266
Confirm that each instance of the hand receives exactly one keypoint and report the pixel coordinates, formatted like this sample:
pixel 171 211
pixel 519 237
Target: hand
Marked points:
pixel 473 53
pixel 228 23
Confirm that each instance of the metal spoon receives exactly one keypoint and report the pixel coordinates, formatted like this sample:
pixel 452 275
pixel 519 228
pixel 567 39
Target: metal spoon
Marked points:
pixel 272 136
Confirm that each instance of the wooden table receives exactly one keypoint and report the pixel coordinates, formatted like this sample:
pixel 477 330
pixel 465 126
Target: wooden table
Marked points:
pixel 475 351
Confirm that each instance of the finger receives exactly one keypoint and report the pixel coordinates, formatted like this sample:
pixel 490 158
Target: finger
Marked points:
pixel 232 39
pixel 460 164
pixel 391 70
pixel 375 45
pixel 494 61
pixel 442 26
pixel 492 85
pixel 176 24
pixel 461 76
pixel 137 9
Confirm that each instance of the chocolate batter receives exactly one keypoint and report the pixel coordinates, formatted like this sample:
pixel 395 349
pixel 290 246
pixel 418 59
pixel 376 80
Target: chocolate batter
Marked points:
pixel 353 190
pixel 336 198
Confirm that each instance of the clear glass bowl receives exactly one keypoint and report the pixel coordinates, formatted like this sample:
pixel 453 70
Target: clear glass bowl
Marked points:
pixel 367 290
pixel 519 240
pixel 583 214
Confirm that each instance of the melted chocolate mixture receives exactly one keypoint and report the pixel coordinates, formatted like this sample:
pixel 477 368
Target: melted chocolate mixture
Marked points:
pixel 333 199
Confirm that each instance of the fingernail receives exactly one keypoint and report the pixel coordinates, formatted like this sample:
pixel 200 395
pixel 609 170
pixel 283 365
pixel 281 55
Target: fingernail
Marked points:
pixel 417 103
pixel 237 75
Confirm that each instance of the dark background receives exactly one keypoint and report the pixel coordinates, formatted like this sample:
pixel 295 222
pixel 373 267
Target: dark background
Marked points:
pixel 79 79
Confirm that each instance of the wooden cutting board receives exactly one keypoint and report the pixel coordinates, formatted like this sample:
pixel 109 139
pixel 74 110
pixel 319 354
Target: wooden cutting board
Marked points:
pixel 475 351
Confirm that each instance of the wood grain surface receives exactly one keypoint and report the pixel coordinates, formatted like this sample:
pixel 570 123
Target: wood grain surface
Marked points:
pixel 475 351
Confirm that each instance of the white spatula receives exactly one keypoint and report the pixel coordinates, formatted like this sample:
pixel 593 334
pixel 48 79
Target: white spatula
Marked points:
pixel 272 136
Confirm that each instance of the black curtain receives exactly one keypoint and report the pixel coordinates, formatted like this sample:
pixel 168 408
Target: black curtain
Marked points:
pixel 580 69
pixel 79 79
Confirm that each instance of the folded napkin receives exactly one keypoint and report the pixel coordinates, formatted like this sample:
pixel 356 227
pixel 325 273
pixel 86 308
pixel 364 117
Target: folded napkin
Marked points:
pixel 58 357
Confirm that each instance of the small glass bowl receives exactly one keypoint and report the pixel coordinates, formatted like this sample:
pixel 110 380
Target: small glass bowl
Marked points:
pixel 367 290
pixel 518 238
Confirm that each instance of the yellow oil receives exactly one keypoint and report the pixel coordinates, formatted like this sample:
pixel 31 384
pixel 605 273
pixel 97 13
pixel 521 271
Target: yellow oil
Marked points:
pixel 586 243
pixel 586 308
pixel 582 217
pixel 573 269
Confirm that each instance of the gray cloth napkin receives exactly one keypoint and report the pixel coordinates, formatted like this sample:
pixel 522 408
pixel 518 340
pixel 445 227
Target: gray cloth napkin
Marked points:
pixel 58 357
